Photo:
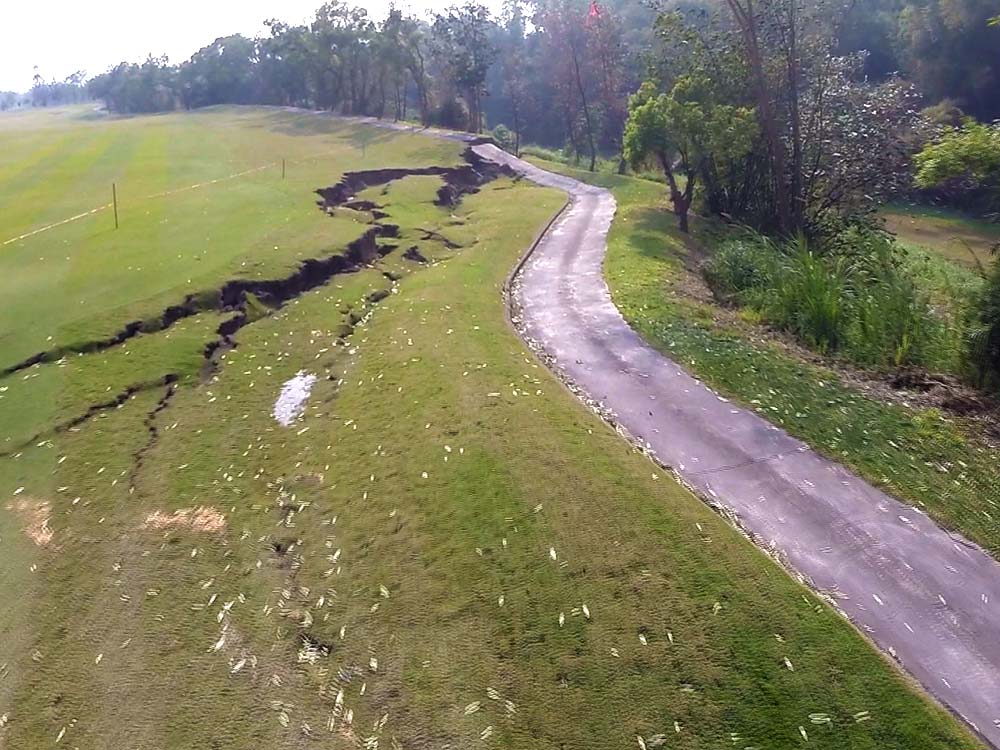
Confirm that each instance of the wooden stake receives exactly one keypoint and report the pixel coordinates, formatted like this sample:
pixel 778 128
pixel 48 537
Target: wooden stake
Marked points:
pixel 114 201
pixel 282 169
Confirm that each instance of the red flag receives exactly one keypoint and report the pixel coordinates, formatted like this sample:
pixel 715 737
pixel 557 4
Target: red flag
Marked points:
pixel 595 10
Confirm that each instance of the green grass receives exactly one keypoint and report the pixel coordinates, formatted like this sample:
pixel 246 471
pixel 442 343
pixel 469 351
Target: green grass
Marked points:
pixel 919 455
pixel 256 226
pixel 957 238
pixel 437 470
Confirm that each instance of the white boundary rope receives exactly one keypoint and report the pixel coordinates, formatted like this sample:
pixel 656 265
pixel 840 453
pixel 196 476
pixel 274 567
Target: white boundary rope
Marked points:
pixel 163 194
pixel 33 232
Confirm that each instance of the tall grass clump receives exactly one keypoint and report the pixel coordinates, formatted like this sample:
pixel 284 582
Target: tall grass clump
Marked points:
pixel 853 298
pixel 984 333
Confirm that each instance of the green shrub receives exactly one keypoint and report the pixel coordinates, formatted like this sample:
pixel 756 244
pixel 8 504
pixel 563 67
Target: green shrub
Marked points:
pixel 451 113
pixel 809 298
pixel 983 348
pixel 741 267
pixel 892 324
pixel 504 137
pixel 858 301
pixel 549 154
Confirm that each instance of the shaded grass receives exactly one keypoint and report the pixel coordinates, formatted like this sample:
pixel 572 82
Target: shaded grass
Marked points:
pixel 367 549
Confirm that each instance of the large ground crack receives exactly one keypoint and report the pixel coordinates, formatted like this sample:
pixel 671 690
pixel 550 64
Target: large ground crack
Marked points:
pixel 249 300
pixel 233 297
pixel 94 410
pixel 153 432
pixel 458 181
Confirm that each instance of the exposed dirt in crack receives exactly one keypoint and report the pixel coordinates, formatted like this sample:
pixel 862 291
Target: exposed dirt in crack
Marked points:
pixel 236 295
pixel 414 254
pixel 232 296
pixel 431 236
pixel 153 432
pixel 458 181
pixel 113 403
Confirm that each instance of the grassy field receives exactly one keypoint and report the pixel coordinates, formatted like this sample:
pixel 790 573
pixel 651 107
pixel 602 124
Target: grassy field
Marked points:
pixel 446 549
pixel 919 455
pixel 960 239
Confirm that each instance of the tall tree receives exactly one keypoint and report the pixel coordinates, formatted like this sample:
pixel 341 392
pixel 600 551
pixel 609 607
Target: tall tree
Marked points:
pixel 564 26
pixel 513 53
pixel 683 131
pixel 462 38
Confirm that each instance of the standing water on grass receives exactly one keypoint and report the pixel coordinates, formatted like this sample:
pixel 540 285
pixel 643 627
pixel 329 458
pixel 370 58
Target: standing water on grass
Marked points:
pixel 292 400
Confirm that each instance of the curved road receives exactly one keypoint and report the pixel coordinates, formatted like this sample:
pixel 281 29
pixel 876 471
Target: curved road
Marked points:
pixel 929 598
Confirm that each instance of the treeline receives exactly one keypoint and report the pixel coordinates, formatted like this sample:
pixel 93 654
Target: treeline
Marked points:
pixel 52 93
pixel 556 72
pixel 948 48
pixel 11 99
pixel 758 111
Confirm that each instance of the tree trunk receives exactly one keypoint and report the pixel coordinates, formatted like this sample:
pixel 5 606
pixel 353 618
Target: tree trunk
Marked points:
pixel 571 133
pixel 746 19
pixel 796 201
pixel 586 108
pixel 517 125
pixel 682 217
pixel 681 200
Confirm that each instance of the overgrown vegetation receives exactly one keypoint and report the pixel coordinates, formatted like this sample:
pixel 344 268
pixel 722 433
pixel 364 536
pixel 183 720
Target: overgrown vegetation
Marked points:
pixel 984 336
pixel 966 161
pixel 963 166
pixel 860 301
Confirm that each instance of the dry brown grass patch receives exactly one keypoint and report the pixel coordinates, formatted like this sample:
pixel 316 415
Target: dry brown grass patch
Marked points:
pixel 203 519
pixel 36 514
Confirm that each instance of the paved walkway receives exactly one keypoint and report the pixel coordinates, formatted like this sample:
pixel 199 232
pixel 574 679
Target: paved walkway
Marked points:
pixel 929 598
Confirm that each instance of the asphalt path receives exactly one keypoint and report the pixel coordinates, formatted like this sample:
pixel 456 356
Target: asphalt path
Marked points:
pixel 927 597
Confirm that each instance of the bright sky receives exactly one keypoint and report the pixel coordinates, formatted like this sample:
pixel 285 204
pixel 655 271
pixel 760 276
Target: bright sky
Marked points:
pixel 63 36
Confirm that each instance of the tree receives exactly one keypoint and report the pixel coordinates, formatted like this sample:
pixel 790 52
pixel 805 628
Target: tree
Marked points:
pixel 513 53
pixel 221 73
pixel 565 31
pixel 683 131
pixel 832 143
pixel 283 65
pixel 750 22
pixel 604 39
pixel 963 162
pixel 971 152
pixel 949 49
pixel 462 38
pixel 129 88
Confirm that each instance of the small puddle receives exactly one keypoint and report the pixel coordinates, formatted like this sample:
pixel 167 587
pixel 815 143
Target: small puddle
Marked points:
pixel 292 401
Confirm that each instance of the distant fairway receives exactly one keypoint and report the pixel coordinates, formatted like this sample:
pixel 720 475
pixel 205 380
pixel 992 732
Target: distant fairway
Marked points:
pixel 445 550
pixel 53 167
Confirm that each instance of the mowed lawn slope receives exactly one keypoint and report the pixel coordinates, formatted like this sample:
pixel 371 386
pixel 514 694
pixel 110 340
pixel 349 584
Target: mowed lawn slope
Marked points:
pixel 446 549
